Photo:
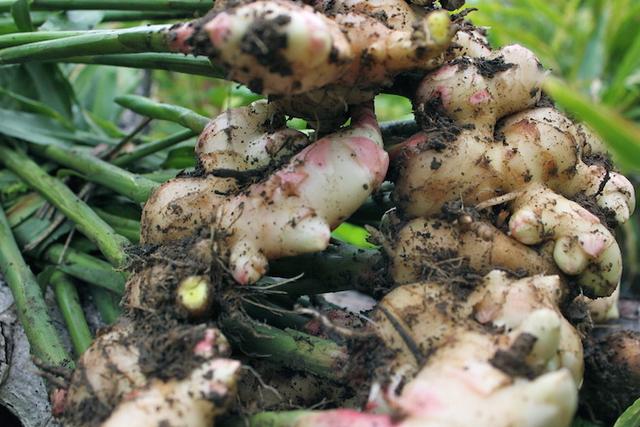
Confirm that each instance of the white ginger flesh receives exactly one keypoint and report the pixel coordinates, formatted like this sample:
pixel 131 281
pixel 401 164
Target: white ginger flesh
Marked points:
pixel 283 48
pixel 291 212
pixel 502 355
pixel 130 374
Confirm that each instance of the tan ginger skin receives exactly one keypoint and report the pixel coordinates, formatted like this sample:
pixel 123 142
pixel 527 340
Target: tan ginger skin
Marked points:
pixel 292 212
pixel 535 154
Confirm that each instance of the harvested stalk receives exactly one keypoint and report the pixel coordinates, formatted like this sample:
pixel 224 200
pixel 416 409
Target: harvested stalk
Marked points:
pixel 88 222
pixel 156 110
pixel 32 309
pixel 69 304
pixel 135 187
pixel 142 5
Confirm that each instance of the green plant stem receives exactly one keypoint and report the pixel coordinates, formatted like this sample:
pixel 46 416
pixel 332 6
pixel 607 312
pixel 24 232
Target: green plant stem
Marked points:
pixel 271 419
pixel 135 187
pixel 164 175
pixel 26 206
pixel 142 5
pixel 288 347
pixel 86 267
pixel 19 39
pixel 340 267
pixel 29 301
pixel 175 62
pixel 393 131
pixel 8 25
pixel 153 147
pixel 76 263
pixel 272 314
pixel 59 195
pixel 151 38
pixel 126 227
pixel 157 110
pixel 107 304
pixel 69 304
pixel 398 128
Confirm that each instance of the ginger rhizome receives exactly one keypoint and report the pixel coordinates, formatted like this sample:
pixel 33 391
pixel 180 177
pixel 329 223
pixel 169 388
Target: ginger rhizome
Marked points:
pixel 533 160
pixel 291 212
pixel 284 48
pixel 504 209
pixel 504 350
pixel 138 374
pixel 316 59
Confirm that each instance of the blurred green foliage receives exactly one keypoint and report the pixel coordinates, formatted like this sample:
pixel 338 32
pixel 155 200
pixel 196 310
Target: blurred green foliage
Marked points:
pixel 594 44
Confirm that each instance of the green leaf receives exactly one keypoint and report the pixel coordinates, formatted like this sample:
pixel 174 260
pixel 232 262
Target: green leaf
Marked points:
pixel 106 126
pixel 352 234
pixel 393 107
pixel 50 84
pixel 630 417
pixel 231 95
pixel 33 128
pixel 52 87
pixel 620 135
pixel 37 107
pixel 11 185
pixel 626 68
pixel 24 208
pixel 29 230
pixel 180 158
pixel 38 129
pixel 595 56
pixel 21 16
pixel 581 422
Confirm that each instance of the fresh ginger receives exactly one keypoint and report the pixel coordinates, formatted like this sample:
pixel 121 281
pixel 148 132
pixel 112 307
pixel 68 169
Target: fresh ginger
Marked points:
pixel 315 60
pixel 462 345
pixel 534 152
pixel 239 142
pixel 292 212
pixel 539 145
pixel 419 249
pixel 502 355
pixel 583 246
pixel 129 377
pixel 496 301
pixel 282 48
